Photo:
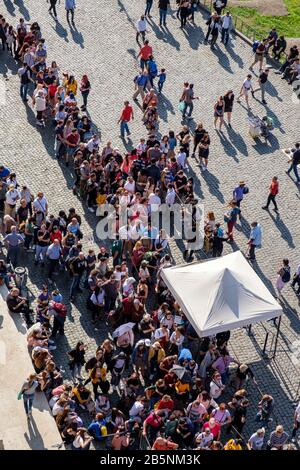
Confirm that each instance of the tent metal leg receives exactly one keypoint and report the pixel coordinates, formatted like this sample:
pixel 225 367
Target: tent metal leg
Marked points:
pixel 277 335
pixel 265 344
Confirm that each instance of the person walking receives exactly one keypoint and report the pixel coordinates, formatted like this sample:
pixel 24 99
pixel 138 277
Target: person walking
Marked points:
pixel 163 11
pixel 28 391
pixel 239 192
pixel 141 29
pixel 140 82
pixel 85 88
pixel 228 100
pixel 231 219
pixel 259 53
pixel 70 9
pixel 246 87
pixel 145 53
pixel 254 239
pixel 295 161
pixel 273 191
pixel 284 276
pixel 219 110
pixel 227 25
pixel 124 119
pixel 77 267
pixel 149 4
pixel 262 80
pixel 296 280
pixel 188 97
pixel 53 8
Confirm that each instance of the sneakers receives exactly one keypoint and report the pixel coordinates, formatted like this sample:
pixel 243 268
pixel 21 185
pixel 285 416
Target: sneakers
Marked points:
pixel 91 209
pixel 52 347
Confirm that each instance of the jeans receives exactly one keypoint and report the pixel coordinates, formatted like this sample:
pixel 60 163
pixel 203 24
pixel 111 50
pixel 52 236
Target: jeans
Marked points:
pixel 225 35
pixel 75 286
pixel 52 266
pixel 162 16
pixel 53 8
pixel 295 168
pixel 124 128
pixel 28 401
pixel 160 86
pixel 252 251
pixel 40 253
pixel 272 197
pixel 28 240
pixel 148 7
pixel 12 255
pixel 186 106
pixel 85 95
pixel 58 325
pixel 76 371
pixel 24 91
pixel 72 15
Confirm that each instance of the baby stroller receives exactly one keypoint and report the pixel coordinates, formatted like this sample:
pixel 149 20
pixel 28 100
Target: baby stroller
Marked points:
pixel 260 127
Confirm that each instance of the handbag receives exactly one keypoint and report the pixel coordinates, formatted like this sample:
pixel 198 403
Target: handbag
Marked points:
pixel 181 106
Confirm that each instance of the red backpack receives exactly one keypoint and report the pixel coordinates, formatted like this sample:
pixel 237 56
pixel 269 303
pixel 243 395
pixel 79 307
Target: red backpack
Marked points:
pixel 60 309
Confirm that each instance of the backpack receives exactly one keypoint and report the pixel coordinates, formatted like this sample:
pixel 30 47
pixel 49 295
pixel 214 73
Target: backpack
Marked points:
pixel 153 69
pixel 255 45
pixel 286 275
pixel 24 78
pixel 60 309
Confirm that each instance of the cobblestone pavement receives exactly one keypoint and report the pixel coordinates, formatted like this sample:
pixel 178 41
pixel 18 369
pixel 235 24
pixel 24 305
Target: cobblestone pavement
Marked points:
pixel 103 46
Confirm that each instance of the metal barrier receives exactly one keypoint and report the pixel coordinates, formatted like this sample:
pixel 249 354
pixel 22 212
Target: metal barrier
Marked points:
pixel 241 26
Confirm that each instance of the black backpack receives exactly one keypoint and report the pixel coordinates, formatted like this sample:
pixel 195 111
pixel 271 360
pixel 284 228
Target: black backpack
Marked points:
pixel 24 78
pixel 286 274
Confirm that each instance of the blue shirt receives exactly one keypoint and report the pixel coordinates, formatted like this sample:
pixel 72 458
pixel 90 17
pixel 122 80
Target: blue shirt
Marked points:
pixel 4 173
pixel 256 235
pixel 53 251
pixel 13 239
pixel 162 77
pixel 238 193
pixel 70 4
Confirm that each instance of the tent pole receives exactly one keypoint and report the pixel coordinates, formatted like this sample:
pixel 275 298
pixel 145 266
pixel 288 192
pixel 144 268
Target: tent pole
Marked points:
pixel 266 340
pixel 277 335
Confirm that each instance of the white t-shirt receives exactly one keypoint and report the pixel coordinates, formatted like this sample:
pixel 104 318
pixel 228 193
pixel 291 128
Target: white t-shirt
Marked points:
pixel 170 197
pixel 141 25
pixel 203 439
pixel 136 409
pixel 181 158
pixel 130 186
pixel 220 416
pixel 98 299
pixel 247 84
pixel 256 441
pixel 177 341
pixel 40 204
pixel 12 197
pixel 154 202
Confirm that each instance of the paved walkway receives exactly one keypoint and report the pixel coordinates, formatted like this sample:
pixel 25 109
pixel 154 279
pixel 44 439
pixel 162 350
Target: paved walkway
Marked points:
pixel 103 46
pixel 16 432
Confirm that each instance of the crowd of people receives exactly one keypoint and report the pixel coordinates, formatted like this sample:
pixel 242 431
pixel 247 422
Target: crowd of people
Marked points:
pixel 152 382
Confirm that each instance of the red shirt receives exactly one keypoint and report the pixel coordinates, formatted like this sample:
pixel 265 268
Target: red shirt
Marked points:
pixel 145 52
pixel 274 188
pixel 73 139
pixel 215 430
pixel 126 113
pixel 56 236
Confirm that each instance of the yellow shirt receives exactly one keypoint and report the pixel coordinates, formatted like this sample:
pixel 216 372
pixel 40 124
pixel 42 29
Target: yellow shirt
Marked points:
pixel 231 445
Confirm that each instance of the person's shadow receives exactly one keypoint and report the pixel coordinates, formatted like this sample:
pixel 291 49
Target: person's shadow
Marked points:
pixel 61 31
pixel 77 36
pixel 34 439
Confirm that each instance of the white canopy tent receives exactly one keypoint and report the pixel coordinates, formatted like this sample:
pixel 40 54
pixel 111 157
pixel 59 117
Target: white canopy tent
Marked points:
pixel 221 294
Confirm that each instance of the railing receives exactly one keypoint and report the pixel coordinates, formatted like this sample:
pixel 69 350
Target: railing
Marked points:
pixel 239 25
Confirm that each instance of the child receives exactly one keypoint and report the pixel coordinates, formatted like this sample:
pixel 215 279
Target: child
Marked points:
pixel 161 79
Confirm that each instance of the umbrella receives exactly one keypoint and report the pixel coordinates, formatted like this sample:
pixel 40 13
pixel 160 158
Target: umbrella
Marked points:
pixel 179 371
pixel 123 329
